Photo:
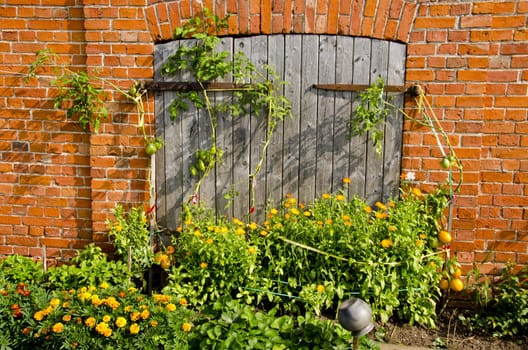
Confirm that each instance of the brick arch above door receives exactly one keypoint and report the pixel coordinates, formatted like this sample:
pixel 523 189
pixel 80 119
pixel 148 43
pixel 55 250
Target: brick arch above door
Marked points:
pixel 381 19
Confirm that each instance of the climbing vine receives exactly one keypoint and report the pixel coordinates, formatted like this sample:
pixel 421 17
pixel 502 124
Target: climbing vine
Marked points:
pixel 255 90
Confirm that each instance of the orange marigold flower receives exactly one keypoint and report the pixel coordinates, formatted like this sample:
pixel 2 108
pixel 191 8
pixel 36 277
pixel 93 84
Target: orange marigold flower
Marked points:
pixel 203 265
pixel 392 228
pixel 183 301
pixel 417 191
pixel 381 206
pixel 57 327
pixel 381 215
pixel 347 180
pixel 367 209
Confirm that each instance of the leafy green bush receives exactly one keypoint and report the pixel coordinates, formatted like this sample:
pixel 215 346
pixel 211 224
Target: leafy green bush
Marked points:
pixel 387 255
pixel 17 268
pixel 213 258
pixel 506 313
pixel 89 268
pixel 130 231
pixel 239 326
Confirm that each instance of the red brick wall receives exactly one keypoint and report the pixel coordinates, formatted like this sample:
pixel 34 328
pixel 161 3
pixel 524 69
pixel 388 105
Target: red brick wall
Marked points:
pixel 58 183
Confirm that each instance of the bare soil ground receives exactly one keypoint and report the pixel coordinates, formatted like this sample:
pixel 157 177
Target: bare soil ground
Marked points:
pixel 449 334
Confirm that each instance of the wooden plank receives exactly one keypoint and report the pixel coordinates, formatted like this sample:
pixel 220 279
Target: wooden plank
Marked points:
pixel 241 142
pixel 292 134
pixel 358 144
pixel 343 110
pixel 394 128
pixel 274 154
pixel 374 175
pixel 187 143
pixel 325 116
pixel 308 116
pixel 159 117
pixel 170 161
pixel 259 57
pixel 224 170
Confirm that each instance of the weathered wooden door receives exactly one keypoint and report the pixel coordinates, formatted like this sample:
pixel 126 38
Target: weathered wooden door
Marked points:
pixel 310 154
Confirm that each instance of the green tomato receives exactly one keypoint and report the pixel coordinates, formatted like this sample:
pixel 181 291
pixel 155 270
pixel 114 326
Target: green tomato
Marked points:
pixel 151 148
pixel 445 163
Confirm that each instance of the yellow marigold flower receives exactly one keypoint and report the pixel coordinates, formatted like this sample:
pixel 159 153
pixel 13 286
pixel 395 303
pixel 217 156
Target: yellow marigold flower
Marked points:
pixel 186 327
pixel 380 206
pixel 135 316
pixel 422 236
pixel 347 180
pixel 392 228
pixel 326 196
pixel 392 204
pixel 292 200
pixel 386 243
pixel 329 221
pixel 348 223
pixel 154 323
pixel 340 197
pixel 252 226
pixel 66 305
pixel 57 328
pixel 96 301
pixel 240 231
pixel 112 302
pixel 188 222
pixel 224 229
pixel 197 233
pixel 145 314
pixel 54 302
pixel 381 215
pixel 252 250
pixel 183 301
pixel 237 222
pixel 367 209
pixel 107 332
pixel 107 318
pixel 132 289
pixel 263 233
pixel 48 310
pixel 211 228
pixel 320 288
pixel 320 223
pixel 287 216
pixel 345 218
pixel 417 191
pixel 66 318
pixel 104 285
pixel 274 211
pixel 118 228
pixel 278 225
pixel 203 265
pixel 294 211
pixel 101 327
pixel 128 308
pixel 179 229
pixel 90 322
pixel 134 328
pixel 419 242
pixel 307 213
pixel 209 241
pixel 121 322
pixel 39 316
pixel 170 307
